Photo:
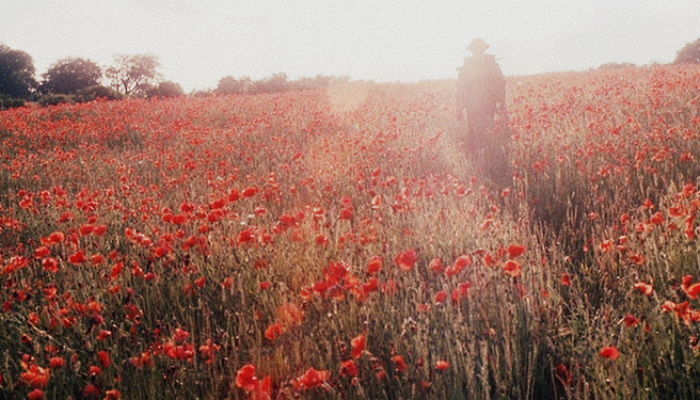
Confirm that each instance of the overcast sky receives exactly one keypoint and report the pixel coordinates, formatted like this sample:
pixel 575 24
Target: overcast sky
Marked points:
pixel 200 41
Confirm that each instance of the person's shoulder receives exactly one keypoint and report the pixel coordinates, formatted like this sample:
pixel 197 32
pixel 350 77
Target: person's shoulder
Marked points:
pixel 490 58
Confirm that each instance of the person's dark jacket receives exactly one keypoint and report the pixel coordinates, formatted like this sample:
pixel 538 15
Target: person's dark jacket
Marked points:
pixel 480 85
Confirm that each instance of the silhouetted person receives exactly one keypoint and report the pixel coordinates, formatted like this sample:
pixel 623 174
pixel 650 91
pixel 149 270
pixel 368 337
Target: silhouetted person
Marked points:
pixel 481 92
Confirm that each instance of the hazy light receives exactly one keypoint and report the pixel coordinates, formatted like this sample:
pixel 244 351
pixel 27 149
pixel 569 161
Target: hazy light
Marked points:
pixel 199 42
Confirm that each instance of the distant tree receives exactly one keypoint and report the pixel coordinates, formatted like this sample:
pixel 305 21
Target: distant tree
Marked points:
pixel 16 73
pixel 166 89
pixel 690 53
pixel 614 65
pixel 275 83
pixel 69 75
pixel 133 75
pixel 230 85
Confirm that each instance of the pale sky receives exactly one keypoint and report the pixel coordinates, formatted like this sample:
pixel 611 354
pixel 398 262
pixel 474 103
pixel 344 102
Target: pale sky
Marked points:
pixel 200 41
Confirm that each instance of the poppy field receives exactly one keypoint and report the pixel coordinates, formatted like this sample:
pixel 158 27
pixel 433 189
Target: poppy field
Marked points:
pixel 337 244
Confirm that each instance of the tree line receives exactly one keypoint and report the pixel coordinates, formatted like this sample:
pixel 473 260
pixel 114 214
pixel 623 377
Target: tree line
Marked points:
pixel 77 79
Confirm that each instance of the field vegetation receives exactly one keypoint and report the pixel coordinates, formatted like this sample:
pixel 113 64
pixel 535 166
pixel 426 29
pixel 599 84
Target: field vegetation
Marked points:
pixel 336 244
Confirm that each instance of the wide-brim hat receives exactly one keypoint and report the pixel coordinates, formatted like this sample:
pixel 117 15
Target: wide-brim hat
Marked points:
pixel 478 45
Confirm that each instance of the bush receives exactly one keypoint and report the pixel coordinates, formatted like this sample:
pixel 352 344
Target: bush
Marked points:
pixel 10 102
pixel 94 92
pixel 165 89
pixel 689 54
pixel 55 99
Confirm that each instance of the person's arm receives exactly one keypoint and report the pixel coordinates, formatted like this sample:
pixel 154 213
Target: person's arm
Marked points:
pixel 460 97
pixel 501 87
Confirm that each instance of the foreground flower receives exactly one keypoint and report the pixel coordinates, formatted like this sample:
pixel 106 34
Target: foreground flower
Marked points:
pixel 442 365
pixel 610 352
pixel 512 268
pixel 246 379
pixel 644 288
pixel 36 394
pixel 349 368
pixel 358 345
pixel 515 250
pixel 407 260
pixel 312 378
pixel 400 363
pixel 257 389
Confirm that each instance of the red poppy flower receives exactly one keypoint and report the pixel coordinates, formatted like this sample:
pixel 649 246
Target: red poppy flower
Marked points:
pixel 565 279
pixel 441 297
pixel 400 363
pixel 312 378
pixel 246 379
pixel 358 345
pixel 349 368
pixel 407 260
pixel 78 257
pixel 375 265
pixel 610 352
pixel 442 365
pixel 57 362
pixel 436 265
pixel 693 291
pixel 644 288
pixel 515 250
pixel 274 330
pixel 36 394
pixel 512 268
pixel 42 252
pixel 105 359
pixel 630 320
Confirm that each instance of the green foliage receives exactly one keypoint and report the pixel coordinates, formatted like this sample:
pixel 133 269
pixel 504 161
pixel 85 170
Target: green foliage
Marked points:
pixel 689 54
pixel 69 75
pixel 16 73
pixel 10 102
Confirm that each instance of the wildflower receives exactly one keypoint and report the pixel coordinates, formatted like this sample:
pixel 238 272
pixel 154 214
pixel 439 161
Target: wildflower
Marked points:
pixel 312 378
pixel 407 260
pixel 358 345
pixel 274 330
pixel 375 265
pixel 246 379
pixel 515 250
pixel 644 288
pixel 442 365
pixel 610 352
pixel 400 363
pixel 440 297
pixel 349 368
pixel 512 268
pixel 565 279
